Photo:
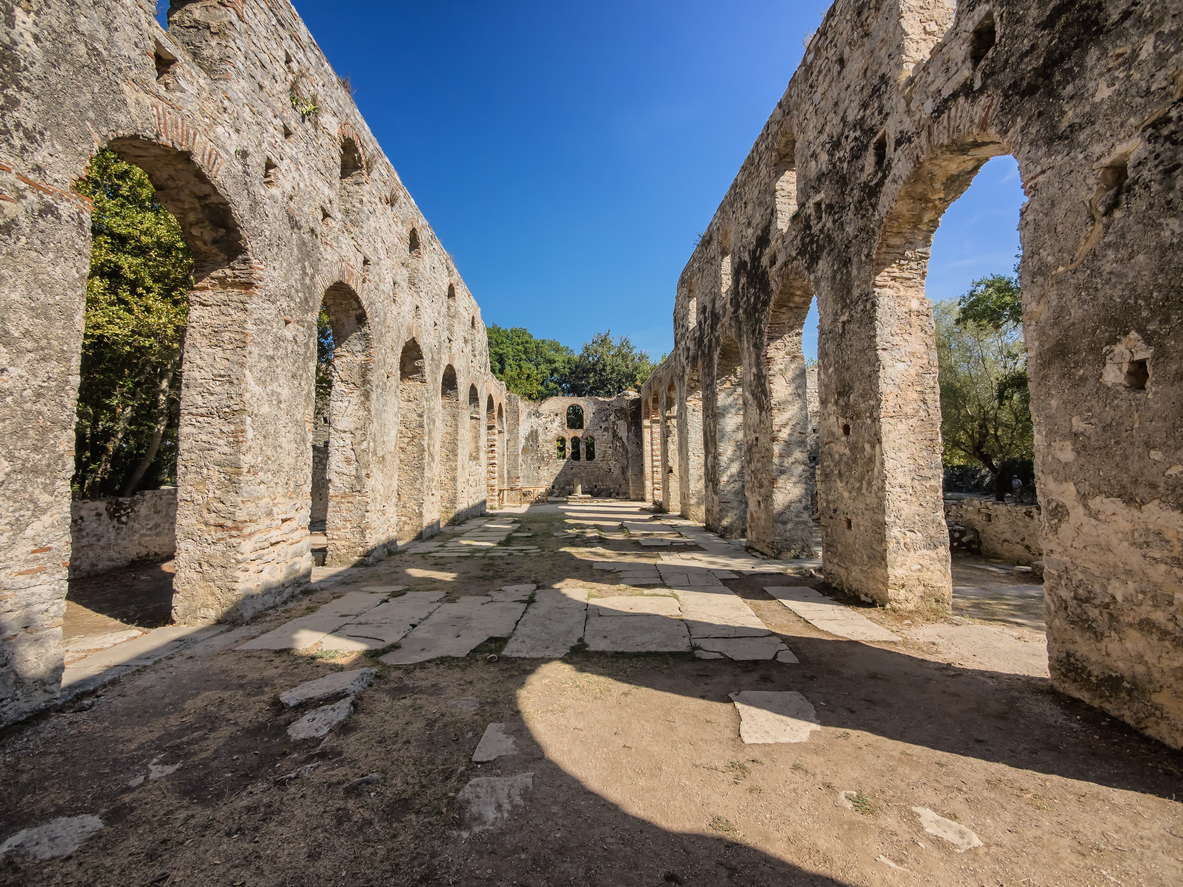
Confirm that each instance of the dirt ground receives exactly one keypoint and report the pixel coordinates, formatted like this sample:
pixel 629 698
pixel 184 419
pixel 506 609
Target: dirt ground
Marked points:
pixel 639 775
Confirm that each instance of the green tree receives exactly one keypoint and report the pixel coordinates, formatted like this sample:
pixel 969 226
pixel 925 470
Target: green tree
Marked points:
pixel 607 367
pixel 137 304
pixel 533 368
pixel 985 401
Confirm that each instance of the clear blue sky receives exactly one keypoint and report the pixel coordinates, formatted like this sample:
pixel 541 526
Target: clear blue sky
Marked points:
pixel 568 155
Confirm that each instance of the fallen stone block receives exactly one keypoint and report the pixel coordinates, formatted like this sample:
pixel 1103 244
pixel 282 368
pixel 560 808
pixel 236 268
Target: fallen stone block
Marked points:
pixel 771 716
pixel 319 722
pixel 57 838
pixel 495 743
pixel 956 834
pixel 490 799
pixel 348 683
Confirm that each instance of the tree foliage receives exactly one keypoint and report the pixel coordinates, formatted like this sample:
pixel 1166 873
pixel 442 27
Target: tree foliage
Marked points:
pixel 533 368
pixel 985 401
pixel 137 304
pixel 607 367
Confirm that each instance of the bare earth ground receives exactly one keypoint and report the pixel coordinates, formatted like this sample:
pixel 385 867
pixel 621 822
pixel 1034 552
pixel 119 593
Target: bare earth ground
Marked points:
pixel 639 775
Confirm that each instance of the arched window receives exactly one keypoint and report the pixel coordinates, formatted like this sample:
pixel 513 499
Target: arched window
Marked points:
pixel 589 448
pixel 575 449
pixel 561 448
pixel 575 418
pixel 351 159
pixel 451 291
pixel 413 242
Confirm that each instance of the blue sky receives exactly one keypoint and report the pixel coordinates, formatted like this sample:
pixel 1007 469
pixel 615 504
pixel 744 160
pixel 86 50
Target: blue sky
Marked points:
pixel 568 155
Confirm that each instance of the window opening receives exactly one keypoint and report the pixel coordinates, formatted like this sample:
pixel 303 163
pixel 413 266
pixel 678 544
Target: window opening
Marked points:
pixel 984 36
pixel 351 162
pixel 1137 374
pixel 589 448
pixel 164 60
pixel 575 449
pixel 575 417
pixel 561 448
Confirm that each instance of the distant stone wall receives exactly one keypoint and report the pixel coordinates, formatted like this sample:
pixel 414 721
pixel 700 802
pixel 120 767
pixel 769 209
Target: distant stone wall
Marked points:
pixel 542 425
pixel 110 533
pixel 1010 532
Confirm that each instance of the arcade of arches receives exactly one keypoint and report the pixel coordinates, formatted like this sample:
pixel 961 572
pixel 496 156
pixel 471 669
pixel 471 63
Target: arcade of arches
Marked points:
pixel 419 434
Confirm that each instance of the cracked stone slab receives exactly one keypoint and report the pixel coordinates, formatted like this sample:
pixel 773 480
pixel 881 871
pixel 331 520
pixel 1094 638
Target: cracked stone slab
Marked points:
pixel 495 743
pixel 551 626
pixel 636 634
pixel 828 615
pixel 299 634
pixel 99 641
pixel 772 716
pixel 641 605
pixel 319 722
pixel 490 799
pixel 956 834
pixel 518 593
pixel 57 838
pixel 718 613
pixel 746 649
pixel 349 683
pixel 384 625
pixel 647 529
pixel 455 629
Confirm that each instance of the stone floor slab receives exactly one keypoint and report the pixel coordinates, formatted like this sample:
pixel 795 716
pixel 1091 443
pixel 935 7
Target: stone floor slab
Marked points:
pixel 495 743
pixel 636 634
pixel 772 716
pixel 319 722
pixel 956 834
pixel 551 626
pixel 490 799
pixel 57 838
pixel 342 683
pixel 828 615
pixel 384 625
pixel 748 649
pixel 647 605
pixel 299 634
pixel 455 629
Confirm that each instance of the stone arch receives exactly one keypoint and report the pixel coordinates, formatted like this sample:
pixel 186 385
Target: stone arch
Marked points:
pixel 412 441
pixel 671 490
pixel 491 468
pixel 350 426
pixel 654 439
pixel 904 423
pixel 780 514
pixel 726 505
pixel 575 417
pixel 449 462
pixel 208 583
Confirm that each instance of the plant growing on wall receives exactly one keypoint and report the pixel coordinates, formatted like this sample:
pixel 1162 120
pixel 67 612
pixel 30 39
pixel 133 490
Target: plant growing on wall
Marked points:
pixel 985 401
pixel 137 304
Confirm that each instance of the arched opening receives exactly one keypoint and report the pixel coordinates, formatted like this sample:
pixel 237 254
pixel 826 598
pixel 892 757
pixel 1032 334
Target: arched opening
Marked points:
pixel 451 291
pixel 671 494
pixel 729 518
pixel 449 464
pixel 491 457
pixel 589 448
pixel 412 441
pixel 472 494
pixel 342 426
pixel 906 424
pixel 561 448
pixel 656 479
pixel 694 490
pixel 575 457
pixel 575 417
pixel 351 161
pixel 129 404
pixel 780 519
pixel 502 453
pixel 784 174
pixel 175 423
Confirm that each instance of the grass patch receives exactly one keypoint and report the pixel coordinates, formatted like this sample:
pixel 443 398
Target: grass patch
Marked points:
pixel 724 827
pixel 864 804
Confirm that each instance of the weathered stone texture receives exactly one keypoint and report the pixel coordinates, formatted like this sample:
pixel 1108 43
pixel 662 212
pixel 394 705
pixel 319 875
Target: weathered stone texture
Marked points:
pixel 885 123
pixel 1007 531
pixel 109 533
pixel 538 428
pixel 286 200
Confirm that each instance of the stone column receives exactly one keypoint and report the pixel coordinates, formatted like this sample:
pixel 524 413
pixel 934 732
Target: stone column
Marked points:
pixel 690 457
pixel 733 504
pixel 671 495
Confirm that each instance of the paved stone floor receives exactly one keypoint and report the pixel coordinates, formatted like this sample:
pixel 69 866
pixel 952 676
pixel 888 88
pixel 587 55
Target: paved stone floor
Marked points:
pixel 586 694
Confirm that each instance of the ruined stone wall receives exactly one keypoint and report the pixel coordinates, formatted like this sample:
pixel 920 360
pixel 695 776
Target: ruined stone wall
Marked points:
pixel 608 422
pixel 892 112
pixel 286 200
pixel 110 533
pixel 1007 530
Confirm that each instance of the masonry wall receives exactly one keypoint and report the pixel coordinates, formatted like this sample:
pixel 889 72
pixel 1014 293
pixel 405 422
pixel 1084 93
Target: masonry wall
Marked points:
pixel 285 198
pixel 892 112
pixel 110 533
pixel 611 423
pixel 1008 531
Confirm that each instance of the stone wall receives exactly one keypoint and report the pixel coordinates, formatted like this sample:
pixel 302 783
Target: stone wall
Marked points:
pixel 110 533
pixel 287 202
pixel 892 112
pixel 541 426
pixel 1007 530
